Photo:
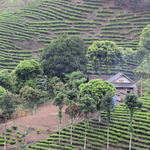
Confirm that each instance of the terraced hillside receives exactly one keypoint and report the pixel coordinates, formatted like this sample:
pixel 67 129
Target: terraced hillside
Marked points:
pixel 25 31
pixel 97 132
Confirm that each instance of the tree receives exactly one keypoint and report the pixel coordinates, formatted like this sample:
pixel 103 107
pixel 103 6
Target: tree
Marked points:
pixel 142 73
pixel 28 69
pixel 64 55
pixel 2 92
pixel 105 53
pixel 7 106
pixel 6 80
pixel 59 101
pixel 97 89
pixel 74 79
pixel 72 111
pixel 25 74
pixel 144 43
pixel 108 105
pixel 132 104
pixel 86 105
pixel 31 96
pixel 128 55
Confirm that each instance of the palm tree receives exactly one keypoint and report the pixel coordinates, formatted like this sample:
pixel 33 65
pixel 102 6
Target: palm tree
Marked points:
pixel 86 105
pixel 132 104
pixel 59 101
pixel 107 105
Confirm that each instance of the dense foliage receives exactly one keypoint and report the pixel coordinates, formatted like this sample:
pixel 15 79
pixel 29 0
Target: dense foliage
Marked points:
pixel 97 89
pixel 64 55
pixel 105 53
pixel 28 69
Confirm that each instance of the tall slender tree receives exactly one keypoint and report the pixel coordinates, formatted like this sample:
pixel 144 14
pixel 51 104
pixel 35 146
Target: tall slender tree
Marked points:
pixel 97 89
pixel 144 43
pixel 132 104
pixel 7 106
pixel 87 105
pixel 72 111
pixel 59 101
pixel 108 105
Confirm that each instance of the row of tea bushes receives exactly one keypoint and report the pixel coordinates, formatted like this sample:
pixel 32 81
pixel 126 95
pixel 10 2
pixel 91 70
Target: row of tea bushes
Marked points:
pixel 46 20
pixel 97 133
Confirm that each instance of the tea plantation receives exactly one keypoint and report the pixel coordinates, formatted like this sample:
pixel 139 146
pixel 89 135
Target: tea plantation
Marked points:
pixel 24 32
pixel 97 132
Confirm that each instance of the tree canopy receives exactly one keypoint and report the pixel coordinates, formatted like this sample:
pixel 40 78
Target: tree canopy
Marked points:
pixel 97 89
pixel 30 95
pixel 2 92
pixel 64 55
pixel 132 104
pixel 144 43
pixel 28 69
pixel 7 104
pixel 104 53
pixel 6 79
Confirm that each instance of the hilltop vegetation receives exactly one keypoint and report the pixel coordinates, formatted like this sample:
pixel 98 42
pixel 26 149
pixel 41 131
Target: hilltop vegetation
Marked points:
pixel 10 5
pixel 106 32
pixel 25 31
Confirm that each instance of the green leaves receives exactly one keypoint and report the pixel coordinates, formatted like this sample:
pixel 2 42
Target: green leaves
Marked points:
pixel 2 92
pixel 64 55
pixel 87 104
pixel 104 53
pixel 28 69
pixel 97 89
pixel 59 100
pixel 7 104
pixel 30 95
pixel 131 102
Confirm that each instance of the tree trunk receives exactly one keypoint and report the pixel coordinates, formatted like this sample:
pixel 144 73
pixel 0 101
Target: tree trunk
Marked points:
pixel 60 117
pixel 100 118
pixel 130 144
pixel 5 133
pixel 59 131
pixel 85 140
pixel 108 137
pixel 131 130
pixel 34 109
pixel 85 124
pixel 71 131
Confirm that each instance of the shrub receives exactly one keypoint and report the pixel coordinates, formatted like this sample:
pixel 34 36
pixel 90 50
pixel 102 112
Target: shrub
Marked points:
pixel 12 142
pixel 19 140
pixel 38 131
pixel 15 127
pixel 9 130
pixel 18 132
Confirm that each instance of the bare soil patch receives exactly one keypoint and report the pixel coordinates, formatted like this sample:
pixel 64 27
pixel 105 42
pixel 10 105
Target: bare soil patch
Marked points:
pixel 45 120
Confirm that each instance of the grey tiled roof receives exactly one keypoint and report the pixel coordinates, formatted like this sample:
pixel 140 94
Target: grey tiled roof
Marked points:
pixel 115 77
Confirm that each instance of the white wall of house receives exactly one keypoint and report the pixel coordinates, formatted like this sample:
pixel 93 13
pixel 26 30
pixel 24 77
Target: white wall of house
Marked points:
pixel 123 80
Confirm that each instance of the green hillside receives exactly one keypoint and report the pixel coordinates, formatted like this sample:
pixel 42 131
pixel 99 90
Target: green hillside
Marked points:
pixel 97 132
pixel 24 32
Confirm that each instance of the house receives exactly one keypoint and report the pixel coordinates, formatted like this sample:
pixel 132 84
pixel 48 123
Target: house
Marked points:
pixel 121 82
pixel 123 85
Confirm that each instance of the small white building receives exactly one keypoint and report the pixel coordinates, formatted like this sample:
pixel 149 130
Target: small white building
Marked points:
pixel 123 85
pixel 121 82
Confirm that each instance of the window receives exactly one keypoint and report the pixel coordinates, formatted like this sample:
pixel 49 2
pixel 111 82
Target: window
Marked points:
pixel 121 80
